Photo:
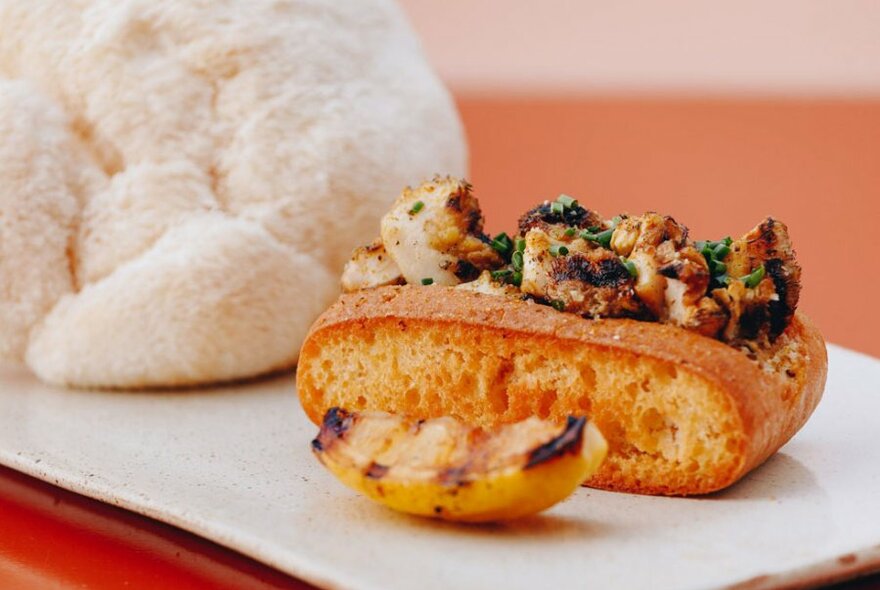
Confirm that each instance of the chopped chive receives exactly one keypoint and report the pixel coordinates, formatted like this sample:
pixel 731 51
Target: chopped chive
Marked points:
pixel 594 229
pixel 417 206
pixel 630 267
pixel 558 250
pixel 752 279
pixel 557 208
pixel 722 280
pixel 428 281
pixel 570 232
pixel 558 304
pixel 605 237
pixel 567 201
pixel 517 260
pixel 506 275
pixel 615 221
pixel 715 252
pixel 520 245
pixel 502 244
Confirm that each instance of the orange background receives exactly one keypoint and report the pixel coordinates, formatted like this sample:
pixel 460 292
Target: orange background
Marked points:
pixel 717 165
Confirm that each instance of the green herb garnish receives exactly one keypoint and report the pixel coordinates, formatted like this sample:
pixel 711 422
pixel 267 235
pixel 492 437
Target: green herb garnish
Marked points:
pixel 720 252
pixel 520 245
pixel 557 208
pixel 570 232
pixel 516 260
pixel 715 253
pixel 567 202
pixel 752 279
pixel 558 250
pixel 428 281
pixel 558 304
pixel 502 244
pixel 630 267
pixel 506 275
pixel 603 238
pixel 417 206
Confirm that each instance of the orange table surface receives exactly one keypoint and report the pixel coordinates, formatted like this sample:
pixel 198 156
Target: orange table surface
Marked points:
pixel 716 165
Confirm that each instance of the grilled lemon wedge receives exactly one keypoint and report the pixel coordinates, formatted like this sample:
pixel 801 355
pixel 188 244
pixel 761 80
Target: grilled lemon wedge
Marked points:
pixel 445 469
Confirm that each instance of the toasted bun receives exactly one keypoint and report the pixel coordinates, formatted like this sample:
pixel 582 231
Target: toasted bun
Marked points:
pixel 683 414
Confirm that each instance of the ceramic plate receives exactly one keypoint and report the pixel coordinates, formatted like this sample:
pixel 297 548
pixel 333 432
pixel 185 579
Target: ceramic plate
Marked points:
pixel 234 465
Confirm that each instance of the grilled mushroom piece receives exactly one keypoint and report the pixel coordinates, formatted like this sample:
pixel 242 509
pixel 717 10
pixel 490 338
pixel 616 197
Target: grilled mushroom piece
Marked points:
pixel 370 266
pixel 435 233
pixel 768 307
pixel 545 215
pixel 566 255
pixel 594 284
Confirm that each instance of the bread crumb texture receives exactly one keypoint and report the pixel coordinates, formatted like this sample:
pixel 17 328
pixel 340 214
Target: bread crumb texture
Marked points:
pixel 182 181
pixel 682 414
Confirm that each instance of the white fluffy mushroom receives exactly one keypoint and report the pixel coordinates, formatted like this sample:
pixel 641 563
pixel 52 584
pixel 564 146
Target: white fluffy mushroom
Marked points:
pixel 181 181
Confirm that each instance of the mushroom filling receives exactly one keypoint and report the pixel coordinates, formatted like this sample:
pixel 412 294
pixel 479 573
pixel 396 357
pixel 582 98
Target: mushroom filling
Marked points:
pixel 741 291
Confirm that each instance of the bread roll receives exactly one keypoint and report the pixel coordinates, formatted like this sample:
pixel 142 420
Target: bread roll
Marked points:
pixel 683 413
